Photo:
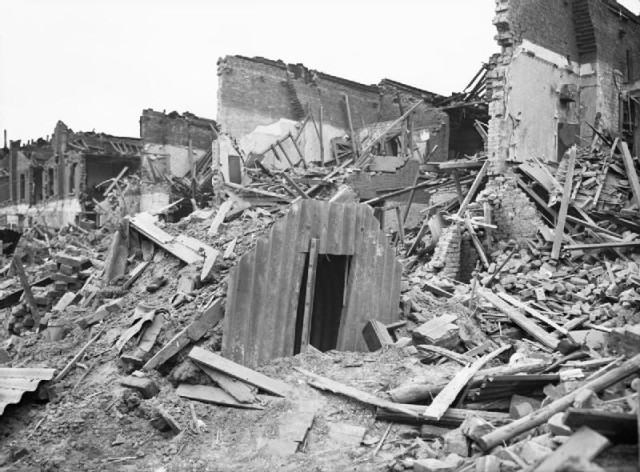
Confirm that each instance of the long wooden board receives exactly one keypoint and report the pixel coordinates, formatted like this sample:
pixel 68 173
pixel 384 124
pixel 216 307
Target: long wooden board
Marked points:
pixel 533 312
pixel 564 206
pixel 324 383
pixel 237 371
pixel 209 394
pixel 632 175
pixel 447 396
pixel 144 224
pixel 194 331
pixel 521 320
pixel 234 387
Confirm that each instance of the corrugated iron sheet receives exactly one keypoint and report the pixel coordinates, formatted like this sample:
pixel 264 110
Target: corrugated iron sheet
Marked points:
pixel 15 382
pixel 263 290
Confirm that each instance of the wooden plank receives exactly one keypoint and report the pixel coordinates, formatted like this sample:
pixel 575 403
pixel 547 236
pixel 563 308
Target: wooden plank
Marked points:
pixel 115 181
pixel 476 242
pixel 354 138
pixel 564 206
pixel 454 356
pixel 324 383
pixel 447 396
pixel 238 371
pixel 584 443
pixel 295 186
pixel 135 274
pixel 144 224
pixel 521 320
pixel 452 418
pixel 219 218
pixel 295 145
pixel 458 165
pixel 264 193
pixel 321 133
pixel 26 287
pixel 540 416
pixel 208 394
pixel 309 294
pixel 400 224
pixel 632 175
pixel 239 390
pixel 411 197
pixel 611 245
pixel 472 191
pixel 533 312
pixel 193 332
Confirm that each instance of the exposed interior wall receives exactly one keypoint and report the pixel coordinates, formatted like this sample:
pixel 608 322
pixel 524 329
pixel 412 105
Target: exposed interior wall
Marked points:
pixel 533 105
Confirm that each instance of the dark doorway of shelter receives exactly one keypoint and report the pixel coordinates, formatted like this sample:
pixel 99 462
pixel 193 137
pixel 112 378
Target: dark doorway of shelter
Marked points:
pixel 328 297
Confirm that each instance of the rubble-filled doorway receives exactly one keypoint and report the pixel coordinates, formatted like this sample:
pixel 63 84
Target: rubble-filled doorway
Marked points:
pixel 321 300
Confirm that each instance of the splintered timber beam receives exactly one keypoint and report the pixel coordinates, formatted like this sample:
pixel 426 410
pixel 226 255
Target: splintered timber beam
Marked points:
pixel 521 320
pixel 473 189
pixel 354 145
pixel 564 206
pixel 26 286
pixel 540 416
pixel 631 170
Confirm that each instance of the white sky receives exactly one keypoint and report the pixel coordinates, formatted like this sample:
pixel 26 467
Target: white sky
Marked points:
pixel 96 64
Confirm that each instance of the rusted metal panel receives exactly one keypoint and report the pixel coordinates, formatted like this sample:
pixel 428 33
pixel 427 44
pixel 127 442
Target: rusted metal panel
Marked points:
pixel 14 383
pixel 264 287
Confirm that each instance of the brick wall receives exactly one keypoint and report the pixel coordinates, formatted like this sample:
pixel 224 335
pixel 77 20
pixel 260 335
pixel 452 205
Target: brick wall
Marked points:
pixel 254 92
pixel 446 256
pixel 512 212
pixel 543 22
pixel 617 34
pixel 173 128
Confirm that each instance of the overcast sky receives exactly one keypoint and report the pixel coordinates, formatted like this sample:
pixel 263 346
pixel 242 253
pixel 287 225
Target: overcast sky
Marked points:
pixel 96 64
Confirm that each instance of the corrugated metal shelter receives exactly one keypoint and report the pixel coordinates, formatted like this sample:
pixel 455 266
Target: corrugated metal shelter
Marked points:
pixel 317 277
pixel 15 382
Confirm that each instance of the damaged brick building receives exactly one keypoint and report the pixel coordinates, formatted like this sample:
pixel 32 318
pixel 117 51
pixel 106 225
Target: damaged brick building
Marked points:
pixel 56 181
pixel 567 75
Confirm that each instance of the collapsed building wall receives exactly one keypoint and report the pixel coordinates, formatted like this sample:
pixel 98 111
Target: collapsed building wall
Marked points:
pixel 260 100
pixel 53 182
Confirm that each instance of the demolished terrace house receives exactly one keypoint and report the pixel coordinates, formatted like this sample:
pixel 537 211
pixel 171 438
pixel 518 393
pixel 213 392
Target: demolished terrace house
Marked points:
pixel 53 182
pixel 84 176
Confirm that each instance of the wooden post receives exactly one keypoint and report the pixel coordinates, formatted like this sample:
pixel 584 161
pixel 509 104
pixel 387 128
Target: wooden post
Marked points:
pixel 304 163
pixel 192 164
pixel 321 135
pixel 411 196
pixel 354 145
pixel 400 224
pixel 286 156
pixel 309 294
pixel 564 206
pixel 473 189
pixel 28 294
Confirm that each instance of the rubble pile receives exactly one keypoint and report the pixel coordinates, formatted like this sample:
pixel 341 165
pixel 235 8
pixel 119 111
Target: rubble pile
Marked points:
pixel 515 341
